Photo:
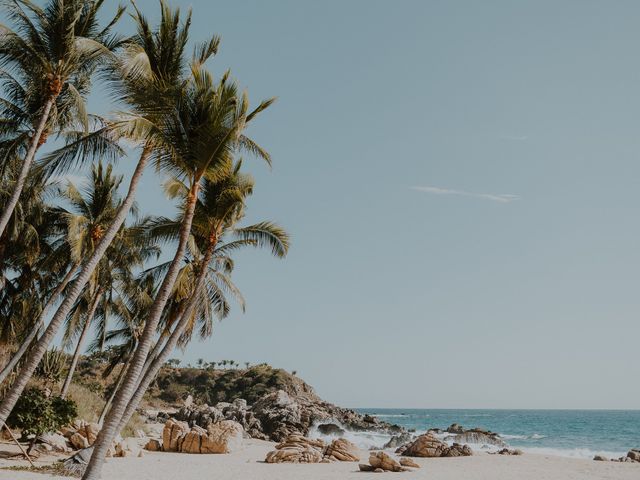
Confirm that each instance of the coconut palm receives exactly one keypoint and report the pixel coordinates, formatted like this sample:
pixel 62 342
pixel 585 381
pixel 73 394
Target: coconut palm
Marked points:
pixel 200 139
pixel 48 57
pixel 220 206
pixel 92 211
pixel 147 77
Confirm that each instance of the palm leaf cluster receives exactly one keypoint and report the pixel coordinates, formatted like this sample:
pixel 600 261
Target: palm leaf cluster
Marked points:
pixel 79 257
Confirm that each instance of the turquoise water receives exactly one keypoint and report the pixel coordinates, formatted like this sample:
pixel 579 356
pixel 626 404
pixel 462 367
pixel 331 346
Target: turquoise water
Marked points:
pixel 575 433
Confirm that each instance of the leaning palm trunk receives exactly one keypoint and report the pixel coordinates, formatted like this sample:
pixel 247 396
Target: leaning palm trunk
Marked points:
pixel 26 165
pixel 76 353
pixel 171 342
pixel 86 271
pixel 8 368
pixel 116 387
pixel 112 421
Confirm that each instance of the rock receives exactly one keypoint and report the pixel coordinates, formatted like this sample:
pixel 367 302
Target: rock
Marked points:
pixel 91 431
pixel 398 440
pixel 427 445
pixel 172 435
pixel 341 450
pixel 600 458
pixel 634 454
pixel 125 448
pixel 365 467
pixel 188 401
pixel 479 438
pixel 297 449
pixel 457 450
pixel 330 429
pixel 424 446
pixel 455 428
pixel 381 460
pixel 222 437
pixel 407 462
pixel 56 441
pixel 78 441
pixel 279 416
pixel 153 445
pixel 506 451
pixel 193 440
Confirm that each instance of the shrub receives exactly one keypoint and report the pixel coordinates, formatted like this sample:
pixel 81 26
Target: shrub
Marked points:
pixel 36 413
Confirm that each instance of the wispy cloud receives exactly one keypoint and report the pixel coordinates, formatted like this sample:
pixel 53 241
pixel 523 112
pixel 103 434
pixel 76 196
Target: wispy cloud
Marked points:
pixel 494 197
pixel 517 138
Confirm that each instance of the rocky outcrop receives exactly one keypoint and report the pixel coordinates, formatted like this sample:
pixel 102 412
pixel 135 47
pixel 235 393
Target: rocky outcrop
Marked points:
pixel 300 449
pixel 634 454
pixel 427 445
pixel 398 440
pixel 177 436
pixel 341 450
pixel 455 428
pixel 479 438
pixel 277 415
pixel 297 449
pixel 56 441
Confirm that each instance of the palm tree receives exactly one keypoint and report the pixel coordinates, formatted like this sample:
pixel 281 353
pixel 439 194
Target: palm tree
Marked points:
pixel 146 77
pixel 200 138
pixel 49 57
pixel 93 210
pixel 220 206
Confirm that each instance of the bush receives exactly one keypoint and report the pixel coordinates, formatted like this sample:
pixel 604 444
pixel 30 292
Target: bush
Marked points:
pixel 36 413
pixel 52 366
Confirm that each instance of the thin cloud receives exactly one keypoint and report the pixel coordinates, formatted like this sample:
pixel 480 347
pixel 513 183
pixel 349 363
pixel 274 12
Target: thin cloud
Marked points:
pixel 494 197
pixel 518 138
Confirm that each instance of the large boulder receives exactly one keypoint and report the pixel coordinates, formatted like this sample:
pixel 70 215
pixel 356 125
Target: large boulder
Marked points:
pixel 78 441
pixel 222 437
pixel 57 442
pixel 634 454
pixel 427 445
pixel 193 440
pixel 384 462
pixel 341 450
pixel 279 415
pixel 173 433
pixel 297 449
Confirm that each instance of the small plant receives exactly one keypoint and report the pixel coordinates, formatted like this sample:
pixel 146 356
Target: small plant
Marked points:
pixel 36 413
pixel 51 367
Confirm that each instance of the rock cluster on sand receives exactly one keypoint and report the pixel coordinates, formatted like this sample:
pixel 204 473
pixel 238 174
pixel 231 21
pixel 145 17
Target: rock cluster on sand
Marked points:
pixel 221 437
pixel 633 456
pixel 299 449
pixel 78 435
pixel 472 435
pixel 382 462
pixel 506 451
pixel 277 415
pixel 427 445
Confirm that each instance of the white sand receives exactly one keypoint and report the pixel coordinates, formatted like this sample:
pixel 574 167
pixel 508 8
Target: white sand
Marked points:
pixel 247 465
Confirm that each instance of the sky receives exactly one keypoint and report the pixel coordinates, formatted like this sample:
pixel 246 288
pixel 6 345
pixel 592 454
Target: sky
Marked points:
pixel 461 184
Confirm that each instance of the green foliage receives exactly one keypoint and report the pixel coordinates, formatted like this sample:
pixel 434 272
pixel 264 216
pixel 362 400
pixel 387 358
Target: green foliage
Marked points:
pixel 36 413
pixel 212 386
pixel 51 367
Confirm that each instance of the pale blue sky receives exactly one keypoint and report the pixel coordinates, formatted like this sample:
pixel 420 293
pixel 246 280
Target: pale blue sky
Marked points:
pixel 461 182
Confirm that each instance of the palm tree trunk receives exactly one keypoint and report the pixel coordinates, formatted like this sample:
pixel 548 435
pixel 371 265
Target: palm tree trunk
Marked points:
pixel 116 387
pixel 86 271
pixel 36 328
pixel 76 354
pixel 112 422
pixel 26 165
pixel 157 363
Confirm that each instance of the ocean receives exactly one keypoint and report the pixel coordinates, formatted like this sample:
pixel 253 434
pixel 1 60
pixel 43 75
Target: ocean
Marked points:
pixel 570 433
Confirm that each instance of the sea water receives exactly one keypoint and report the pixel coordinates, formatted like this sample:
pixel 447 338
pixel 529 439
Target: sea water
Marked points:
pixel 570 433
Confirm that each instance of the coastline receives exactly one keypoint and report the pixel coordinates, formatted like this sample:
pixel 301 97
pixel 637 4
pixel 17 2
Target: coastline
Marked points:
pixel 247 463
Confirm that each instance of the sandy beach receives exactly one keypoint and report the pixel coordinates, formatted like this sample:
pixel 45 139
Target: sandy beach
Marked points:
pixel 248 464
